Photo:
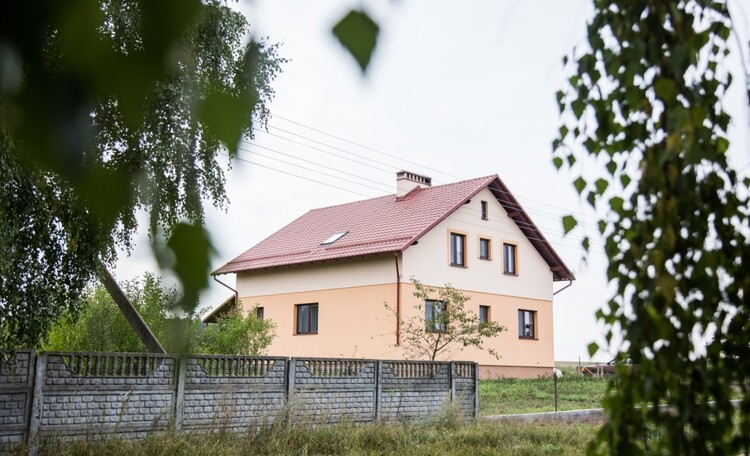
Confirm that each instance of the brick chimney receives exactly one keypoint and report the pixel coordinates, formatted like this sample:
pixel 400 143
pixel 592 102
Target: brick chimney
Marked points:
pixel 406 181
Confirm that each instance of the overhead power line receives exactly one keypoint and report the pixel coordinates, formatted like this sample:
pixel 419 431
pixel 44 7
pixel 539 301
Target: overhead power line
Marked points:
pixel 581 216
pixel 366 147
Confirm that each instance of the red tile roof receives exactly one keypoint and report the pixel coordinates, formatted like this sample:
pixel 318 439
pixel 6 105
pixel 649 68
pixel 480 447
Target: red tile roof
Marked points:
pixel 381 225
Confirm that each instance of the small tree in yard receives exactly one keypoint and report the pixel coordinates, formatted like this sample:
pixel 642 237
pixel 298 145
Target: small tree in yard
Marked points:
pixel 236 335
pixel 442 325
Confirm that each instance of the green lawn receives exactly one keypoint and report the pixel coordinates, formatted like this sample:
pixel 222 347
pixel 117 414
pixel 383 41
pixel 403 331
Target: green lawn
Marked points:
pixel 510 395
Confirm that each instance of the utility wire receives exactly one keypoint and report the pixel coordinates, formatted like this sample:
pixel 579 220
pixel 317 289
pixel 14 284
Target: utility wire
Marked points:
pixel 308 161
pixel 390 171
pixel 384 153
pixel 366 147
pixel 298 176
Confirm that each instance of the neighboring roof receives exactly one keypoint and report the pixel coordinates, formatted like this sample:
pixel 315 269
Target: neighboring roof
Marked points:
pixel 224 308
pixel 387 224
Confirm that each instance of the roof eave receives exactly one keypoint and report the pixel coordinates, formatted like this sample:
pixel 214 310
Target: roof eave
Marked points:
pixel 516 212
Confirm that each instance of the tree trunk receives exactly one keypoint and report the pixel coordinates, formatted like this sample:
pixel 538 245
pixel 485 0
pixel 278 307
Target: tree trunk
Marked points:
pixel 131 314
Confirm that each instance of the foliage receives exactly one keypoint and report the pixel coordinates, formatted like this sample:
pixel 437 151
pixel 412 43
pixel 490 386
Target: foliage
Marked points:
pixel 234 334
pixel 100 326
pixel 645 102
pixel 106 108
pixel 449 330
pixel 358 33
pixel 431 439
pixel 532 395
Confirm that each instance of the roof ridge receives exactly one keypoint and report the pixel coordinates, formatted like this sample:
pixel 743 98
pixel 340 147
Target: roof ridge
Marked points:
pixel 401 198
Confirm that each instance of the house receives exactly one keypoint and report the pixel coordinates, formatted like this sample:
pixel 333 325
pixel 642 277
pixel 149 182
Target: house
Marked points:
pixel 325 277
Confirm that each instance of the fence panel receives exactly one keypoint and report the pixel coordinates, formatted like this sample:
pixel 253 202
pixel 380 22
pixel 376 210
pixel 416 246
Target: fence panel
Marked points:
pixel 414 389
pixel 333 389
pixel 87 394
pixel 232 392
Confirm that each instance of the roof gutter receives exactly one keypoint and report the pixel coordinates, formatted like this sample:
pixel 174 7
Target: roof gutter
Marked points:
pixel 398 302
pixel 236 295
pixel 570 282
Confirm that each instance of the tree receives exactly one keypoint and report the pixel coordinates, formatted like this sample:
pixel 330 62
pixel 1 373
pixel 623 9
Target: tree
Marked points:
pixel 645 102
pixel 99 326
pixel 108 108
pixel 442 326
pixel 236 334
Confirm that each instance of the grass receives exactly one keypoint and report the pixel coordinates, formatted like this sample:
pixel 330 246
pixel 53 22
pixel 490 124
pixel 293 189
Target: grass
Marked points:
pixel 512 395
pixel 434 439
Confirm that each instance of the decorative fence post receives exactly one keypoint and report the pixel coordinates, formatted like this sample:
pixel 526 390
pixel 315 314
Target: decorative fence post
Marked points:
pixel 476 390
pixel 452 378
pixel 179 399
pixel 35 419
pixel 378 390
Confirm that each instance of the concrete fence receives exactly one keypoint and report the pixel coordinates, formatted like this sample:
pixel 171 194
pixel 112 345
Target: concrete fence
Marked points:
pixel 73 395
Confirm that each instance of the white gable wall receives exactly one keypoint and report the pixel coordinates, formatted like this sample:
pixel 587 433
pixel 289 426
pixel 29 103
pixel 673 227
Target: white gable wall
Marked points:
pixel 429 260
pixel 373 270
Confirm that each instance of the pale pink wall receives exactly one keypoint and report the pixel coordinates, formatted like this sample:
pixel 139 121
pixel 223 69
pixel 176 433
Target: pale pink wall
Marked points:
pixel 353 322
pixel 538 352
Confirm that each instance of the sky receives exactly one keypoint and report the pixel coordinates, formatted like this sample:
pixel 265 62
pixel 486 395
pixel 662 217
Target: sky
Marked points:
pixel 455 90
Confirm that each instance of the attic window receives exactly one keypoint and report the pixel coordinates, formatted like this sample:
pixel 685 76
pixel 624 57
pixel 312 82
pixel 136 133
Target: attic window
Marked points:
pixel 333 238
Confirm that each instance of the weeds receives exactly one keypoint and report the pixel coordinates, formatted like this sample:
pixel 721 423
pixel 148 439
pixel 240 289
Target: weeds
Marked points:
pixel 429 438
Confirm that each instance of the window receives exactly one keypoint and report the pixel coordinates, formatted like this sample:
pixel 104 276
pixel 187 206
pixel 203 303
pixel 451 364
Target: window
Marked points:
pixel 333 238
pixel 458 249
pixel 434 316
pixel 259 312
pixel 509 259
pixel 307 318
pixel 484 249
pixel 484 314
pixel 484 210
pixel 526 324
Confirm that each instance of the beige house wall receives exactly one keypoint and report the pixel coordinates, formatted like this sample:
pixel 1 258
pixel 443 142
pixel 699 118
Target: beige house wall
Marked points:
pixel 353 322
pixel 429 259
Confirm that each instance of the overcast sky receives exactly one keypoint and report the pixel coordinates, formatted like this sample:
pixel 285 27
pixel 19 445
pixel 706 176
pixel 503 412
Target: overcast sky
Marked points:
pixel 455 90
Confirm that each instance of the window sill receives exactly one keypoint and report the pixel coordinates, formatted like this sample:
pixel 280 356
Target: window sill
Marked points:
pixel 512 274
pixel 458 265
pixel 485 259
pixel 528 338
pixel 306 334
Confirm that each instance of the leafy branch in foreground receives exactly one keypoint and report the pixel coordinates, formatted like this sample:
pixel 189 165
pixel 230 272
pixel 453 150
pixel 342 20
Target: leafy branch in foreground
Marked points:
pixel 108 108
pixel 645 103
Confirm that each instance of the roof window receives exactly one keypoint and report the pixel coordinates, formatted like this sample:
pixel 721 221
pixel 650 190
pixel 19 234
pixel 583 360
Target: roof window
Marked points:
pixel 333 238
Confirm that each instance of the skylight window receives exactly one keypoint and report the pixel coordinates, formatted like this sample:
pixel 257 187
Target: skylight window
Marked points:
pixel 333 238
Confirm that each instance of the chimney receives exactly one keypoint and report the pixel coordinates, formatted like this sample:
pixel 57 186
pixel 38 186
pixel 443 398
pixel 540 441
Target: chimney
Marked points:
pixel 406 181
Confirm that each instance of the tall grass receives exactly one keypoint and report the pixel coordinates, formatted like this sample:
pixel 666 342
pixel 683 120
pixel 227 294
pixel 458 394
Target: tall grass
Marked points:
pixel 433 438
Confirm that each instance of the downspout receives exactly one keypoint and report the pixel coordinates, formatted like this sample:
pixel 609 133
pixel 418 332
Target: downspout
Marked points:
pixel 570 282
pixel 236 295
pixel 398 302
